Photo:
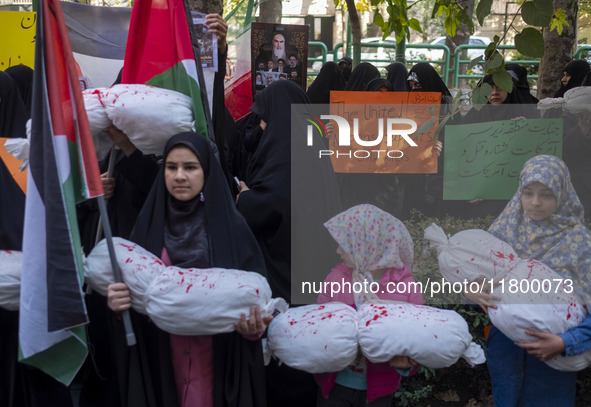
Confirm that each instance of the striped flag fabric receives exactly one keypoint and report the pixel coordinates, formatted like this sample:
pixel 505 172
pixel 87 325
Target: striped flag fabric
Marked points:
pixel 160 53
pixel 63 170
pixel 238 81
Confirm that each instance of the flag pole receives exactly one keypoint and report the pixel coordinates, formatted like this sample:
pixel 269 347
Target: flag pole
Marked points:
pixel 129 334
pixel 110 170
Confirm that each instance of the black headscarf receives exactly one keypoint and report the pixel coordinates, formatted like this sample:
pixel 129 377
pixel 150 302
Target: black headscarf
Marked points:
pixel 375 84
pixel 430 80
pixel 238 365
pixel 521 85
pixel 231 243
pixel 269 205
pixel 329 78
pixel 23 77
pixel 397 74
pixel 577 69
pixel 13 112
pixel 361 76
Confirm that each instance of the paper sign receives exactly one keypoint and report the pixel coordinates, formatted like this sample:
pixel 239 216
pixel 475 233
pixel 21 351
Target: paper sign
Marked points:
pixel 13 165
pixel 17 39
pixel 373 111
pixel 484 160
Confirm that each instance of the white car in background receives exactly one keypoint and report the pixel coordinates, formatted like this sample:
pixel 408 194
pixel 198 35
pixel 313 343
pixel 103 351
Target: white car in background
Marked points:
pixel 437 54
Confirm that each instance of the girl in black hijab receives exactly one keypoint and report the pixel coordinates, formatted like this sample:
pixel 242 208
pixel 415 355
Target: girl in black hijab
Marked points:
pixel 13 112
pixel 424 78
pixel 519 75
pixel 329 78
pixel 23 77
pixel 361 76
pixel 573 75
pixel 397 74
pixel 189 219
pixel 379 85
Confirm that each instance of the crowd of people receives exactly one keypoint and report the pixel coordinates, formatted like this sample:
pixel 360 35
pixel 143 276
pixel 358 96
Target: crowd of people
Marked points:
pixel 185 207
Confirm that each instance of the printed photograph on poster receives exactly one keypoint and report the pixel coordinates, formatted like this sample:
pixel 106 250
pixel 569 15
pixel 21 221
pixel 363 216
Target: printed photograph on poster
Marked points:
pixel 208 44
pixel 279 52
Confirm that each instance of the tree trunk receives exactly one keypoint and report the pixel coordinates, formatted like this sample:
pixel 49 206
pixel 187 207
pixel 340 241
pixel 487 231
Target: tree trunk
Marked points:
pixel 355 31
pixel 558 50
pixel 270 11
pixel 207 6
pixel 462 37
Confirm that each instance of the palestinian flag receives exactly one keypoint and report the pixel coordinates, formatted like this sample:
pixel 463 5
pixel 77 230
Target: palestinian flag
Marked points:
pixel 160 53
pixel 62 171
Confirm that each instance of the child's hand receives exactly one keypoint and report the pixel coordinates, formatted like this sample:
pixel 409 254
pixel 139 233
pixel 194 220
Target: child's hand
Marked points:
pixel 402 362
pixel 545 348
pixel 118 297
pixel 255 325
pixel 482 297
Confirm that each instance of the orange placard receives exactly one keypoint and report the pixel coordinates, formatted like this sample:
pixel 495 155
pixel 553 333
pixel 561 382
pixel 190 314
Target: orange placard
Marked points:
pixel 372 116
pixel 13 165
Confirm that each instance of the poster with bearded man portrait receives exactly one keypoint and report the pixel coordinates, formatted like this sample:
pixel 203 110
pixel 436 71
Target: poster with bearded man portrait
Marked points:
pixel 280 49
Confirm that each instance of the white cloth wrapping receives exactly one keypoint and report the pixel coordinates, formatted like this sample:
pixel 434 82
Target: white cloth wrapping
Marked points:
pixel 529 307
pixel 98 120
pixel 19 148
pixel 433 337
pixel 138 267
pixel 148 115
pixel 576 101
pixel 315 338
pixel 470 254
pixel 11 266
pixel 207 301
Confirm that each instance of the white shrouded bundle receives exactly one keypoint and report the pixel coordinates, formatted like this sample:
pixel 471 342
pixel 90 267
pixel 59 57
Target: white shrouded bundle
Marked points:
pixel 470 254
pixel 148 115
pixel 539 303
pixel 207 301
pixel 138 267
pixel 181 301
pixel 315 338
pixel 11 266
pixel 433 337
pixel 576 101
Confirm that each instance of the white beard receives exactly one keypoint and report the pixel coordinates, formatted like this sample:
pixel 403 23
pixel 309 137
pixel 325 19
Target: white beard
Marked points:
pixel 278 53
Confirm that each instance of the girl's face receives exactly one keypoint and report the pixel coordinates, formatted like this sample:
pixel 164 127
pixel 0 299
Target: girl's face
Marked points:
pixel 345 257
pixel 183 174
pixel 497 96
pixel 565 78
pixel 538 201
pixel 414 85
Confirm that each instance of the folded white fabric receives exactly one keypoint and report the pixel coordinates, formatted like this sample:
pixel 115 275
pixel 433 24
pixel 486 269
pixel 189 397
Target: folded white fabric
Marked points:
pixel 11 266
pixel 138 267
pixel 533 298
pixel 315 338
pixel 470 254
pixel 433 337
pixel 207 301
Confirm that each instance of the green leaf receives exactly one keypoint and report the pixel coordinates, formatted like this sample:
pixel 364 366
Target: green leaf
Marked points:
pixel 435 10
pixel 483 10
pixel 503 80
pixel 428 125
pixel 494 62
pixel 451 23
pixel 415 25
pixel 559 21
pixel 490 48
pixel 537 12
pixel 474 62
pixel 480 94
pixel 530 42
pixel 378 19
